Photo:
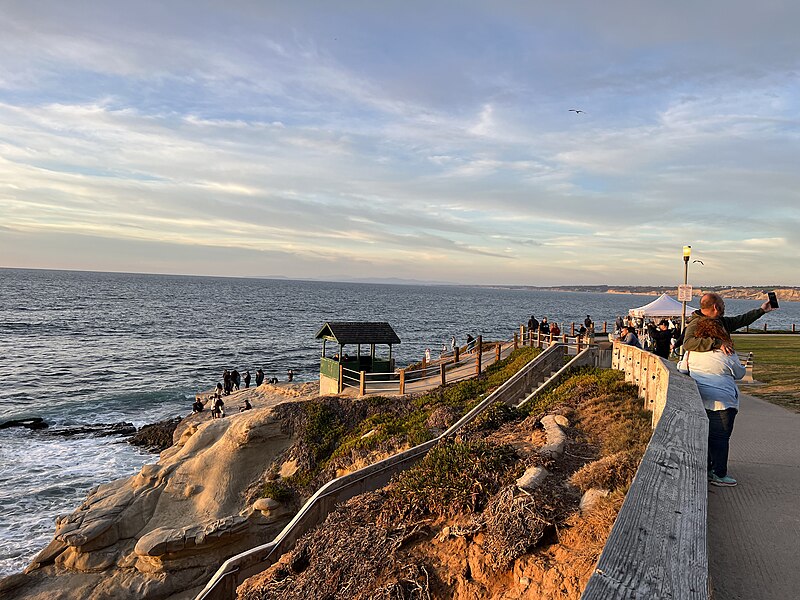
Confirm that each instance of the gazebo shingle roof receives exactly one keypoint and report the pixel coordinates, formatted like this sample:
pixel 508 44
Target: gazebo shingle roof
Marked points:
pixel 358 332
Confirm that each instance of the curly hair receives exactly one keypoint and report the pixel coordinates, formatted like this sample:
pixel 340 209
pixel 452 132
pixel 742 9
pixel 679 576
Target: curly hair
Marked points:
pixel 712 328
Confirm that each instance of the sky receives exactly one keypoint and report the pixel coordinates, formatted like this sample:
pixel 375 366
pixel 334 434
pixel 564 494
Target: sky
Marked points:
pixel 428 141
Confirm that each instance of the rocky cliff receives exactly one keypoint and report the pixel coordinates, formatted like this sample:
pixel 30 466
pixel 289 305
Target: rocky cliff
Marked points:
pixel 163 532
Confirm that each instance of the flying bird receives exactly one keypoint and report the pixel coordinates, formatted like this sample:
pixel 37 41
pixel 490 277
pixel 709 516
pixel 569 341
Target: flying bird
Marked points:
pixel 700 261
pixel 575 110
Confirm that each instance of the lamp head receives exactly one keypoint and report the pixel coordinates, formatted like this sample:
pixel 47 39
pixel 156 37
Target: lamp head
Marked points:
pixel 687 253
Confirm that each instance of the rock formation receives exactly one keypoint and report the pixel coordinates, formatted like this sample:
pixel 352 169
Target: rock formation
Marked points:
pixel 163 532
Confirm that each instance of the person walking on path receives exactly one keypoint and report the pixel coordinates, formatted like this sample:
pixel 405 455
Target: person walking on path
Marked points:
pixel 247 379
pixel 628 336
pixel 713 363
pixel 259 377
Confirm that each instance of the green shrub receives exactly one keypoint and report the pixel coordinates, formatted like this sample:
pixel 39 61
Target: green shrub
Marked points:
pixel 277 490
pixel 454 477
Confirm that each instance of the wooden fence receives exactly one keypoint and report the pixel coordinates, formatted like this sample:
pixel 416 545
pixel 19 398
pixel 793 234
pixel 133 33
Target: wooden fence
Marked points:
pixel 657 547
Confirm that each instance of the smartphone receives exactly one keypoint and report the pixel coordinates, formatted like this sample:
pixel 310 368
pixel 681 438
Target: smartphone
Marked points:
pixel 773 299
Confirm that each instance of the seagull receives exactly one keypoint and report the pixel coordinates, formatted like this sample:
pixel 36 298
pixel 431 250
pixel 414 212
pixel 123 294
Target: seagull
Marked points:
pixel 575 110
pixel 700 261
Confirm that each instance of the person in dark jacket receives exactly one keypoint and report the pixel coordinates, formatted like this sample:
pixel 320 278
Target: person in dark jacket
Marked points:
pixel 236 379
pixel 544 326
pixel 226 378
pixel 662 338
pixel 247 379
pixel 259 377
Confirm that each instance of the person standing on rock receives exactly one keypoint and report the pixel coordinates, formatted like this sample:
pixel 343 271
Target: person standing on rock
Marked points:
pixel 289 374
pixel 236 379
pixel 259 377
pixel 226 378
pixel 247 379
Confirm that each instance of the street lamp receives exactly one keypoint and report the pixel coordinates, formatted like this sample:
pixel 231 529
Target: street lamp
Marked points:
pixel 687 254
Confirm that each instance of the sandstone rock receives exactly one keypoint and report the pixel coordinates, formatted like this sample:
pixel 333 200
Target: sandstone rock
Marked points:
pixel 556 439
pixel 12 582
pixel 155 543
pixel 532 478
pixel 590 499
pixel 157 436
pixel 561 420
pixel 265 504
pixel 47 556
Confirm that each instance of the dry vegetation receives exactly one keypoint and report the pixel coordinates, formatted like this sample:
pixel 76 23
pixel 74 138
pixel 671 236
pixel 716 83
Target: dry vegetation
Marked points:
pixel 456 525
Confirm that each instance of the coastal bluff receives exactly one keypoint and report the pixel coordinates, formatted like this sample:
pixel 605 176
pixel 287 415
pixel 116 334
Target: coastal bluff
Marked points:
pixel 163 532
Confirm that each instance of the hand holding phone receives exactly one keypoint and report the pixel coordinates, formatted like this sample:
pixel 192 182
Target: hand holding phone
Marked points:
pixel 773 299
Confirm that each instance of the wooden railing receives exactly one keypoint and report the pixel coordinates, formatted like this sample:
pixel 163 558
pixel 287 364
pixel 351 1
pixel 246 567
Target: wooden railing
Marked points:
pixel 513 392
pixel 657 547
pixel 451 367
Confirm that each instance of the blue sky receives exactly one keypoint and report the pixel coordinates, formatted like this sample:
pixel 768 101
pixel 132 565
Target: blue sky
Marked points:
pixel 404 140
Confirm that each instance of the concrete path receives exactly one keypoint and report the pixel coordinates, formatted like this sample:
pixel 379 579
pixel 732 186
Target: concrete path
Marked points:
pixel 754 528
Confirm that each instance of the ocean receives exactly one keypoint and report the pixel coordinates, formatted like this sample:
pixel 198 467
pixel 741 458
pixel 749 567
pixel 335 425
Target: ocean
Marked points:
pixel 85 348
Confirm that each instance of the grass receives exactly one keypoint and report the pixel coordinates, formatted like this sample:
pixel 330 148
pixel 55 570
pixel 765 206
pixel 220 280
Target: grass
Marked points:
pixel 776 365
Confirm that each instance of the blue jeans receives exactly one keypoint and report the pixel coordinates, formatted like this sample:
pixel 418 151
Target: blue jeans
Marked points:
pixel 720 428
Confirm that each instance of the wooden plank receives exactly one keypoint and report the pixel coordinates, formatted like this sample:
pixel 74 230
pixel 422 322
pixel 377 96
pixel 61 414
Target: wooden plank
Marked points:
pixel 657 548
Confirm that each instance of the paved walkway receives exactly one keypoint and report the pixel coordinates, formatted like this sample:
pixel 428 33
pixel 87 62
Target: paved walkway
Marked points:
pixel 754 528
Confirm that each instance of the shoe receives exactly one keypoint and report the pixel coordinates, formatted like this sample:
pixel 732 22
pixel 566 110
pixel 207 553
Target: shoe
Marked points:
pixel 722 481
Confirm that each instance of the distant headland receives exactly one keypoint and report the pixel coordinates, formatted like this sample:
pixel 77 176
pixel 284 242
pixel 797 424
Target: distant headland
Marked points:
pixel 785 293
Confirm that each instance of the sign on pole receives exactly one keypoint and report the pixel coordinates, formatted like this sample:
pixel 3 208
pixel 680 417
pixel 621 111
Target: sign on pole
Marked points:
pixel 684 293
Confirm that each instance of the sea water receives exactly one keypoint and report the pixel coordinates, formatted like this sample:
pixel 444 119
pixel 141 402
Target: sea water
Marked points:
pixel 85 348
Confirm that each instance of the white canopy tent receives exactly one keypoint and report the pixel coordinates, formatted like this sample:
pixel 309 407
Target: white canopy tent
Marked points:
pixel 663 306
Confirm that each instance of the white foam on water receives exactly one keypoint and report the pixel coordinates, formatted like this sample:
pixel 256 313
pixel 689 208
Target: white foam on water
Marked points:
pixel 42 477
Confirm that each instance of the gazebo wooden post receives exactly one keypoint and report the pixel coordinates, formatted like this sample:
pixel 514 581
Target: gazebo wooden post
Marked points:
pixel 516 341
pixel 572 329
pixel 579 345
pixel 564 338
pixel 605 326
pixel 362 384
pixel 402 381
pixel 522 334
pixel 341 378
pixel 442 372
pixel 497 352
pixel 479 344
pixel 455 354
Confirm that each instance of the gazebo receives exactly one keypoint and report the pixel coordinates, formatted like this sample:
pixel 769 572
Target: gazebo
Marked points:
pixel 358 334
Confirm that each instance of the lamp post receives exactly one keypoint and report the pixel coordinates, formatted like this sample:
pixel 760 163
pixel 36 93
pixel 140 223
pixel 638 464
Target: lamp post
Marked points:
pixel 687 253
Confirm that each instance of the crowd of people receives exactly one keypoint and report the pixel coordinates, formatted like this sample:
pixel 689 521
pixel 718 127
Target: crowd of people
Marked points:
pixel 232 381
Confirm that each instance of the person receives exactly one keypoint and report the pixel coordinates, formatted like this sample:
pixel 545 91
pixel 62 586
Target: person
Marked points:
pixel 706 340
pixel 226 377
pixel 236 379
pixel 661 338
pixel 197 407
pixel 247 379
pixel 555 330
pixel 289 374
pixel 582 331
pixel 618 324
pixel 533 324
pixel 628 336
pixel 470 342
pixel 712 306
pixel 453 343
pixel 259 377
pixel 218 392
pixel 247 406
pixel 544 326
pixel 218 411
pixel 715 372
pixel 588 323
pixel 427 356
pixel 273 380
